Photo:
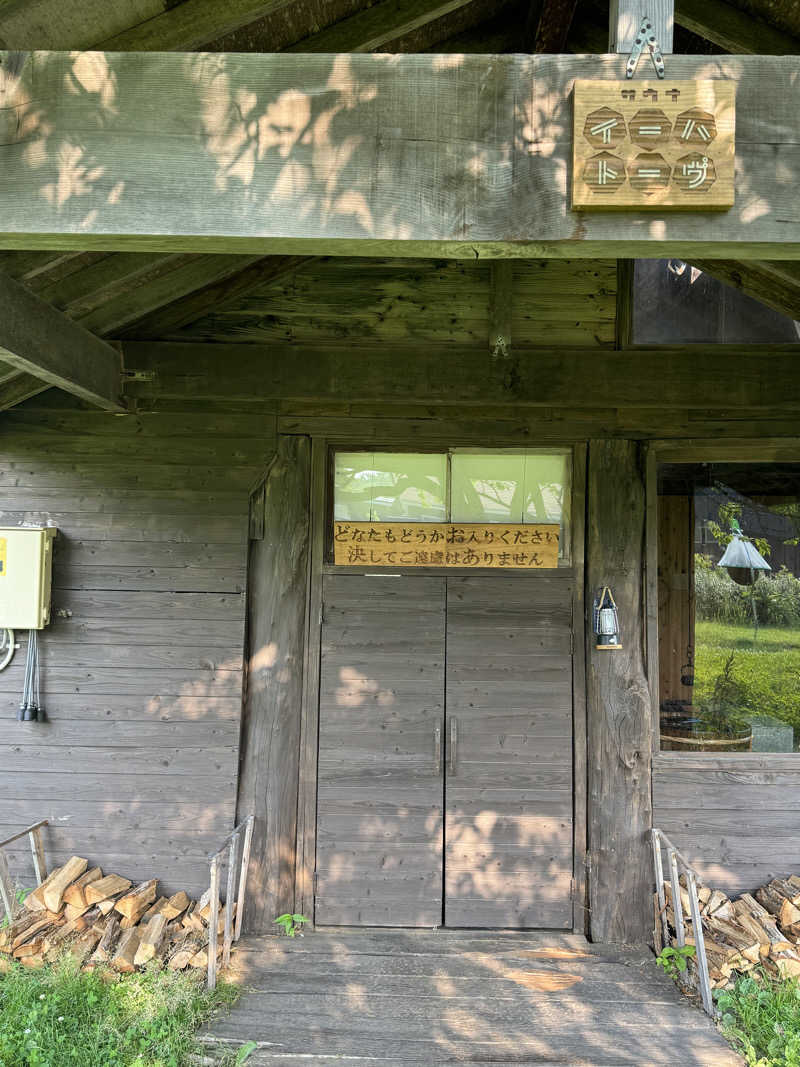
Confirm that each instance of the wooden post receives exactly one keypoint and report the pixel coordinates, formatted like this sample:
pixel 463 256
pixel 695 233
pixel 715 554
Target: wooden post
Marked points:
pixel 501 304
pixel 619 723
pixel 244 864
pixel 276 615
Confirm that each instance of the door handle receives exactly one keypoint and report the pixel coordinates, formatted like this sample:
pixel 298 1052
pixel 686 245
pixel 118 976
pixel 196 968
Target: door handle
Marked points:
pixel 453 744
pixel 437 748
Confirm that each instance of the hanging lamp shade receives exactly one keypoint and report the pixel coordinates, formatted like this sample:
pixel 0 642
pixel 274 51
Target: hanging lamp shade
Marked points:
pixel 743 561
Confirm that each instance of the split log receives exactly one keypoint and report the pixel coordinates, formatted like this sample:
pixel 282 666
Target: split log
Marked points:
pixel 102 954
pixel 43 921
pixel 33 961
pixel 150 940
pixel 34 901
pixel 154 909
pixel 185 951
pixel 75 893
pixel 176 905
pixel 134 904
pixel 110 886
pixel 126 951
pixel 54 890
pixel 30 948
pixel 18 926
pixel 84 945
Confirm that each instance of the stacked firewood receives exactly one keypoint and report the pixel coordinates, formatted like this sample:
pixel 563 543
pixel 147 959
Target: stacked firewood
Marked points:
pixel 105 919
pixel 760 930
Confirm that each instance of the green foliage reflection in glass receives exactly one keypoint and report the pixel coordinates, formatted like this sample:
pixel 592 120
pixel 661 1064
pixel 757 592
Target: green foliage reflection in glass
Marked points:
pixel 460 486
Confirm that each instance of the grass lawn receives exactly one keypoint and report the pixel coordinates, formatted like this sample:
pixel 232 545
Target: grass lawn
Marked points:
pixel 60 1016
pixel 770 668
pixel 761 1019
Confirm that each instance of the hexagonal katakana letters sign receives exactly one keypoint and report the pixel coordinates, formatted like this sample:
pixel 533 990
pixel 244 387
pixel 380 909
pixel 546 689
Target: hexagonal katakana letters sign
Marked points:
pixel 654 145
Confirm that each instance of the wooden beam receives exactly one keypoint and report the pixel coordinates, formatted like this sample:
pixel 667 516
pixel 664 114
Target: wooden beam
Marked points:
pixel 42 342
pixel 501 307
pixel 216 296
pixel 663 377
pixel 548 24
pixel 383 26
pixel 775 284
pixel 619 722
pixel 624 318
pixel 625 20
pixel 176 164
pixel 732 29
pixel 20 387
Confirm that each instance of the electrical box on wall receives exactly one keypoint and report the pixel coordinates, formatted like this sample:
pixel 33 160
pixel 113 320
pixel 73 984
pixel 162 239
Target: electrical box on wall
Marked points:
pixel 26 568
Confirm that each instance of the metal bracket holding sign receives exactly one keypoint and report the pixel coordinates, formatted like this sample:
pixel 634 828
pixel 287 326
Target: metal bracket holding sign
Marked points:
pixel 645 39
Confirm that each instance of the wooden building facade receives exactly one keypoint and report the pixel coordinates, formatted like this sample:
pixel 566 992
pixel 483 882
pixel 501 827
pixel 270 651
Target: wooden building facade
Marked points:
pixel 304 264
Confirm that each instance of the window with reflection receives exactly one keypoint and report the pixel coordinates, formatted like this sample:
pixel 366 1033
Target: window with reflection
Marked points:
pixel 676 303
pixel 729 607
pixel 459 486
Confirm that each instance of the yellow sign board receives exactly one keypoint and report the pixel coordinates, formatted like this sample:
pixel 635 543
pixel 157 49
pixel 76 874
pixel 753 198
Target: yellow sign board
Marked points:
pixel 437 544
pixel 654 145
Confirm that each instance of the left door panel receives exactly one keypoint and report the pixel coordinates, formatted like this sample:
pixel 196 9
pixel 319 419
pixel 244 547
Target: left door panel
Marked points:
pixel 380 791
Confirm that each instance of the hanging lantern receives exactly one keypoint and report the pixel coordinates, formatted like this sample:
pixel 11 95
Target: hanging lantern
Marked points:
pixel 687 670
pixel 743 561
pixel 606 621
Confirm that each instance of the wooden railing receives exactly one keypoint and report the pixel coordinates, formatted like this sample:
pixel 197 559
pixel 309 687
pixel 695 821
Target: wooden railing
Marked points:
pixel 677 867
pixel 243 833
pixel 7 893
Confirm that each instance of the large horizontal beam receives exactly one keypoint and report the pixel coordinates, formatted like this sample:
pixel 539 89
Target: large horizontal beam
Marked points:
pixel 44 343
pixel 751 377
pixel 359 154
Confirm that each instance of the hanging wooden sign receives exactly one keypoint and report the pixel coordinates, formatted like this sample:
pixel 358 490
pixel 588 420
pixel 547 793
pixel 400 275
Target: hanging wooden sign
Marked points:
pixel 437 544
pixel 653 144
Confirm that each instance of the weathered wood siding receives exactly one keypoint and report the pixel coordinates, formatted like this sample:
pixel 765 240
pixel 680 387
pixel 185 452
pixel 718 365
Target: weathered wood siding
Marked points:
pixel 136 766
pixel 734 817
pixel 407 301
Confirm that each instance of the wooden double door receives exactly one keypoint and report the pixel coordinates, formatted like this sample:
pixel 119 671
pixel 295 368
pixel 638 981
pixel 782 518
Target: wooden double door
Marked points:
pixel 445 752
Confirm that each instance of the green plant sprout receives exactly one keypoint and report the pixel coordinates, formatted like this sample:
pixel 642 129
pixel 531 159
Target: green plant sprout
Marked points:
pixel 291 924
pixel 674 961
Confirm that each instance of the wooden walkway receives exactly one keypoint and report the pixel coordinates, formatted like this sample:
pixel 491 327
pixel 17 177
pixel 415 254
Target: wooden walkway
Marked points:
pixel 394 998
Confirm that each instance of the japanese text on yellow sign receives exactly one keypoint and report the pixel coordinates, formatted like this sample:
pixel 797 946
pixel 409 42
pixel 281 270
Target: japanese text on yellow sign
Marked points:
pixel 434 544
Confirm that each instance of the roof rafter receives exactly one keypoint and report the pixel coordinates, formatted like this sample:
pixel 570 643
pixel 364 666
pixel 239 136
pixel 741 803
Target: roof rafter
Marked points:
pixel 43 343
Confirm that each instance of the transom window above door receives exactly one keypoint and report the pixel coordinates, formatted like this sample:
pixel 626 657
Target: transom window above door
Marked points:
pixel 487 488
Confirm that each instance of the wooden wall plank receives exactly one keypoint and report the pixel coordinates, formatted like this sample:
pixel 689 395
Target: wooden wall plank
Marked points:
pixel 278 587
pixel 142 666
pixel 734 819
pixel 385 196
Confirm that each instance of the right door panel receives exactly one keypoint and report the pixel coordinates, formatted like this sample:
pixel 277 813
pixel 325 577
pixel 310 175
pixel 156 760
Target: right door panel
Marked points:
pixel 508 792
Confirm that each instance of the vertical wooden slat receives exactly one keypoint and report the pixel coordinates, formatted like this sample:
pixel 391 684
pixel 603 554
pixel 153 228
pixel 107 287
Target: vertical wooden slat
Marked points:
pixel 244 863
pixel 7 889
pixel 213 920
pixel 677 907
pixel 229 891
pixel 307 795
pixel 699 945
pixel 658 864
pixel 580 910
pixel 37 848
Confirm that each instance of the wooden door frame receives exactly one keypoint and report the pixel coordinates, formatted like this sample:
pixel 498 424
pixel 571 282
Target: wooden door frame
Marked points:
pixel 305 855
